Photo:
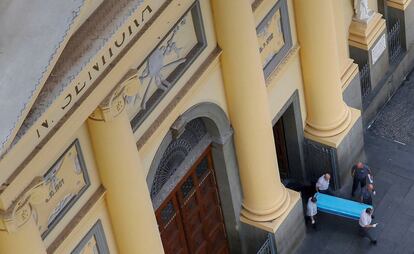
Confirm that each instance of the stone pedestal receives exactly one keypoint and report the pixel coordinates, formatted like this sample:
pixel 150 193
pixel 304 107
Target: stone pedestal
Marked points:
pixel 351 86
pixel 401 13
pixel 337 154
pixel 285 232
pixel 369 48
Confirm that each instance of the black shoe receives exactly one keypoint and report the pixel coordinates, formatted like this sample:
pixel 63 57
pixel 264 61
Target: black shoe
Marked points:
pixel 352 195
pixel 372 216
pixel 374 242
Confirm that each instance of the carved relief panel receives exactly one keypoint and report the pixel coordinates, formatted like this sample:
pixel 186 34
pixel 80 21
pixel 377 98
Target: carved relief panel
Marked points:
pixel 63 184
pixel 166 64
pixel 274 37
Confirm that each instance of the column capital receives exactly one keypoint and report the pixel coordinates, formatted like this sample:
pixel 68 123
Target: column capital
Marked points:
pixel 116 101
pixel 20 211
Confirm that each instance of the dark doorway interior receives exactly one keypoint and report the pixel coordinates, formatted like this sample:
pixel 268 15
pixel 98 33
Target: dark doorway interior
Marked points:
pixel 288 144
pixel 281 150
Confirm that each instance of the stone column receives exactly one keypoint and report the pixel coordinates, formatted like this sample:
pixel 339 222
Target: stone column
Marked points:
pixel 264 197
pixel 350 80
pixel 328 115
pixel 343 13
pixel 23 240
pixel 128 199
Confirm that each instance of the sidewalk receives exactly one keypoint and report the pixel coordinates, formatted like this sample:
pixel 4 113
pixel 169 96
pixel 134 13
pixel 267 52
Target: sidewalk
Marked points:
pixel 389 148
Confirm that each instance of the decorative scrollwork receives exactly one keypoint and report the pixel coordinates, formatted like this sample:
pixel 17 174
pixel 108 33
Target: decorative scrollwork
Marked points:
pixel 115 103
pixel 19 213
pixel 176 152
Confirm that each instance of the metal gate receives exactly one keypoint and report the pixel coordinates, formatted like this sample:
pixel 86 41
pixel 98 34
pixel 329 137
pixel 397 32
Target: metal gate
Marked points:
pixel 321 159
pixel 394 41
pixel 364 75
pixel 269 246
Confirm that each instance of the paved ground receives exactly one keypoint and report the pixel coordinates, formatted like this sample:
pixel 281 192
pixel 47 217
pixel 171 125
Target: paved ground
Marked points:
pixel 389 147
pixel 395 122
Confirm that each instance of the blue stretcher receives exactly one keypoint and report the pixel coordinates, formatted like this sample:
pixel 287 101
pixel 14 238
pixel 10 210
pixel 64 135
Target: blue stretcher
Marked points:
pixel 339 206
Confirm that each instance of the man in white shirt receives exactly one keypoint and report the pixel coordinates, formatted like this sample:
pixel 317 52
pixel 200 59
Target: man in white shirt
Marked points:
pixel 322 185
pixel 312 210
pixel 365 224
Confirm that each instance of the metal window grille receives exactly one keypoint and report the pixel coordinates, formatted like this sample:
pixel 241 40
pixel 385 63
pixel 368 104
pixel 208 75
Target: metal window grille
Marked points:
pixel 365 80
pixel 394 41
pixel 269 246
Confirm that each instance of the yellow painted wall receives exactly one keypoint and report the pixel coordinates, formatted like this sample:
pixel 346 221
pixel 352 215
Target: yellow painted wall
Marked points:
pixel 282 88
pixel 98 212
pixel 289 76
pixel 373 5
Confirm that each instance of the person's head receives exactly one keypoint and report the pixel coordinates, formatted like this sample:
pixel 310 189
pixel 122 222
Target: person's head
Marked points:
pixel 370 187
pixel 360 165
pixel 327 177
pixel 368 211
pixel 313 199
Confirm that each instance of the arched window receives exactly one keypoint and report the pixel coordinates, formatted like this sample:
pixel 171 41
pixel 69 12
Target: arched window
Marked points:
pixel 176 152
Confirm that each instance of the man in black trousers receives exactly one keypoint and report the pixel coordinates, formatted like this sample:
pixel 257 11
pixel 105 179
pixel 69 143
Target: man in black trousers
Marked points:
pixel 360 173
pixel 365 225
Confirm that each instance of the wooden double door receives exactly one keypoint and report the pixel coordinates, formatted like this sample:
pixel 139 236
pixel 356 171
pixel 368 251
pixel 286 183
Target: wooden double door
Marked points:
pixel 190 220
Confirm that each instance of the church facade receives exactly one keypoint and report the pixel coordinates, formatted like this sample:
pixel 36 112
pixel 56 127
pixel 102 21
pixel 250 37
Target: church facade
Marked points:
pixel 185 126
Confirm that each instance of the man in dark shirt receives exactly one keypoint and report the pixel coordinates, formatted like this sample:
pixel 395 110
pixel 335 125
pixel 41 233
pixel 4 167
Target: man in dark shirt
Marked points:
pixel 367 193
pixel 360 173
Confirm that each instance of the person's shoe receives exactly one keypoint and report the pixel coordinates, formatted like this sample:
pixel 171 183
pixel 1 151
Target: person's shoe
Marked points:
pixel 374 242
pixel 372 216
pixel 352 195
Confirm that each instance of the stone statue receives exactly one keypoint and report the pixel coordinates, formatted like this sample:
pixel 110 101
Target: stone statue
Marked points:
pixel 362 12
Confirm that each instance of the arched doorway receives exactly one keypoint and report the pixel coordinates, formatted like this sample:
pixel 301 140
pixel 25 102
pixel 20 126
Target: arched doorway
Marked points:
pixel 189 180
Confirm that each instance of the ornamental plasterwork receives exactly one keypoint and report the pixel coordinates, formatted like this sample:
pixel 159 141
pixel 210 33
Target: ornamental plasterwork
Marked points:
pixel 115 102
pixel 271 38
pixel 166 63
pixel 64 183
pixel 274 37
pixel 21 210
pixel 48 197
pixel 153 74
